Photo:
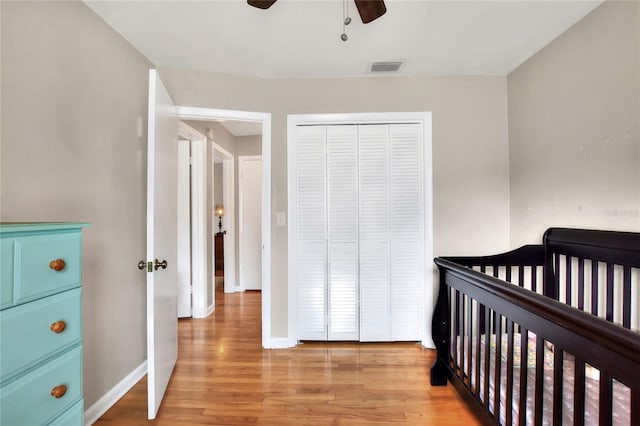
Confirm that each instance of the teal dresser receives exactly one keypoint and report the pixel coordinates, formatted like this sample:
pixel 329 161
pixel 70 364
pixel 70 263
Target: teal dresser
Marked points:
pixel 41 324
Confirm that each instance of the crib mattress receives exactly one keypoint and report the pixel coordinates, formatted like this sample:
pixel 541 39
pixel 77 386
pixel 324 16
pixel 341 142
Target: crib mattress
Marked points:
pixel 621 394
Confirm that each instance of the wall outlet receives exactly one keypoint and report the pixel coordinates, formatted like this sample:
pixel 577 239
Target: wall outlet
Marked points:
pixel 281 219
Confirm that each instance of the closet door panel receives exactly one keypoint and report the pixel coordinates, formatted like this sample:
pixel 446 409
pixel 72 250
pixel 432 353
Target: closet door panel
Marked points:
pixel 342 184
pixel 407 232
pixel 312 283
pixel 375 313
pixel 343 292
pixel 374 211
pixel 311 233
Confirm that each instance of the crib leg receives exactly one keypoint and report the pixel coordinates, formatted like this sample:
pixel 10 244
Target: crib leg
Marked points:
pixel 440 331
pixel 439 373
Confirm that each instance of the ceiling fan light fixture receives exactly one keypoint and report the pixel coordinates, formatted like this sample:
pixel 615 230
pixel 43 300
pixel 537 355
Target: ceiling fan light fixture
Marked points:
pixel 261 4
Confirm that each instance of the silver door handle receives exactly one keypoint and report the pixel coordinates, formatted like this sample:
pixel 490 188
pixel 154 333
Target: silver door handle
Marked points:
pixel 142 265
pixel 157 264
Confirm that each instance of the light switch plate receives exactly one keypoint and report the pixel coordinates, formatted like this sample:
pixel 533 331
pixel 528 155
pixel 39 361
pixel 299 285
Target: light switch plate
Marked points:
pixel 280 219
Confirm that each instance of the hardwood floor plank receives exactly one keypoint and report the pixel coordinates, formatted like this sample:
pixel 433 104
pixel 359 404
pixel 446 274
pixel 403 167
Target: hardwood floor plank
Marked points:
pixel 224 377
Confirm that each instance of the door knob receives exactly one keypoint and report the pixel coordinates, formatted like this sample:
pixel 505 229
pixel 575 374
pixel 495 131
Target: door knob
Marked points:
pixel 157 264
pixel 142 264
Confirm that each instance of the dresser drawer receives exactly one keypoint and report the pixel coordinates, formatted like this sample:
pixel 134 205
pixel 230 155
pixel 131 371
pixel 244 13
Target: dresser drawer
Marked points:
pixel 28 400
pixel 36 275
pixel 74 416
pixel 27 337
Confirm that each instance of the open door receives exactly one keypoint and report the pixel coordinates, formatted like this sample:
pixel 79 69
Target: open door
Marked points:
pixel 162 178
pixel 250 193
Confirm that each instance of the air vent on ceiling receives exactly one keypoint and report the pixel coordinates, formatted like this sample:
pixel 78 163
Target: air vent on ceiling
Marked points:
pixel 385 66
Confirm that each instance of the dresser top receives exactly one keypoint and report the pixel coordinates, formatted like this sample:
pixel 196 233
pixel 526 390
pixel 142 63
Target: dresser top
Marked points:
pixel 39 226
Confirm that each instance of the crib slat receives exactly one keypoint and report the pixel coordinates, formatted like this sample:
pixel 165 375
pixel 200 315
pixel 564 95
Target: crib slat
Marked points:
pixel 635 406
pixel 556 277
pixel 460 365
pixel 539 380
pixel 487 355
pixel 606 406
pixel 594 287
pixel 581 284
pixel 578 393
pixel 557 385
pixel 609 300
pixel 507 276
pixel 534 279
pixel 509 396
pixel 479 317
pixel 521 275
pixel 568 279
pixel 469 339
pixel 497 371
pixel 626 298
pixel 524 350
pixel 455 328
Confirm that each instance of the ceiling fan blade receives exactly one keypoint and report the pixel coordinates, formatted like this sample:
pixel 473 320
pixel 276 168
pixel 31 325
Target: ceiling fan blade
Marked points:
pixel 370 9
pixel 261 4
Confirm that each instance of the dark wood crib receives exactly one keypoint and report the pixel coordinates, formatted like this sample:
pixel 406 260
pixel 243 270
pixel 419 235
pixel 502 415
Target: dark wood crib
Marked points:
pixel 544 334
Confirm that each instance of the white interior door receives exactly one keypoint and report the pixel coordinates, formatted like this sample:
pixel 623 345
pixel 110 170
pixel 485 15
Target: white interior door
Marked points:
pixel 407 231
pixel 308 228
pixel 250 193
pixel 162 323
pixel 358 227
pixel 374 212
pixel 342 232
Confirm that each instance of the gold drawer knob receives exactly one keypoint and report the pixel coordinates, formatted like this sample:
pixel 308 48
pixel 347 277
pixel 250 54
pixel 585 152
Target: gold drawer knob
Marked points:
pixel 57 265
pixel 58 391
pixel 58 326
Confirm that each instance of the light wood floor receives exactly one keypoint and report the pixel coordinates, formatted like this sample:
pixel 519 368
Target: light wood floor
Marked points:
pixel 224 377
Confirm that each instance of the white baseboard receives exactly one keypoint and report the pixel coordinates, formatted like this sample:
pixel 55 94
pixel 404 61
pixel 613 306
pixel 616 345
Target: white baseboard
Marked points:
pixel 281 343
pixel 93 413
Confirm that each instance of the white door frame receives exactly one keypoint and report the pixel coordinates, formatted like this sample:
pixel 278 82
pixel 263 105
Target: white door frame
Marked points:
pixel 184 226
pixel 424 118
pixel 199 308
pixel 241 261
pixel 229 223
pixel 208 114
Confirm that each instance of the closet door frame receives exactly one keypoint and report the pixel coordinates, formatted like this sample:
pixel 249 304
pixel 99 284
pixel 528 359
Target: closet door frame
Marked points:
pixel 423 118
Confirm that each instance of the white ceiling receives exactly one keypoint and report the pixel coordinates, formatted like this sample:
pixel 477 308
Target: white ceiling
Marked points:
pixel 242 128
pixel 301 39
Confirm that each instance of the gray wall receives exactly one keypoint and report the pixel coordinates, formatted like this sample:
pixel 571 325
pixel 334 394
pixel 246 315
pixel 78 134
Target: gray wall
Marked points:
pixel 470 152
pixel 217 185
pixel 73 92
pixel 574 128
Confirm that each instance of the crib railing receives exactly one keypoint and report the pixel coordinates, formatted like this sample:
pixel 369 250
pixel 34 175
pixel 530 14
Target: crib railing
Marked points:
pixel 595 272
pixel 474 309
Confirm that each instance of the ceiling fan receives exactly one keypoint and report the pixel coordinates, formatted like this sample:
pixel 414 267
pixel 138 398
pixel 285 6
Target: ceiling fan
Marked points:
pixel 369 10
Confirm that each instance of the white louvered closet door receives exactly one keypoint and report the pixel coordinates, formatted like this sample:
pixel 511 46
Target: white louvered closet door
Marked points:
pixel 374 238
pixel 407 232
pixel 342 197
pixel 311 265
pixel 360 232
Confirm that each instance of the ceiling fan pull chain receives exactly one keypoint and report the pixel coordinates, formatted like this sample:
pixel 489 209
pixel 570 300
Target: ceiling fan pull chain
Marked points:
pixel 346 20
